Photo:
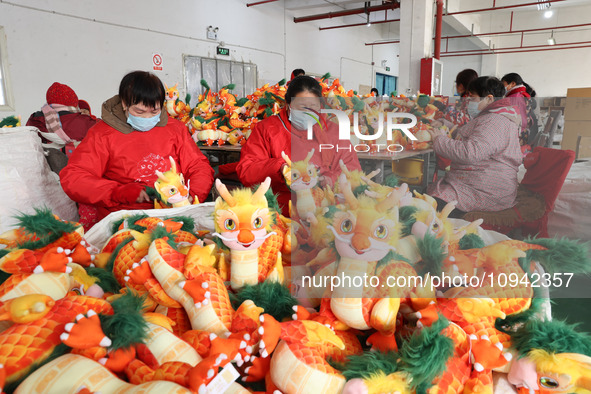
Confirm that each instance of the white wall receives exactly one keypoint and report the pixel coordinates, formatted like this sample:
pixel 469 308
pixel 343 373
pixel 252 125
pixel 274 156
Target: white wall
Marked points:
pixel 91 45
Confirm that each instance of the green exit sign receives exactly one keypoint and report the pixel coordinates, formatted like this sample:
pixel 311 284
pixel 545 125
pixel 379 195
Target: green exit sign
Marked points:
pixel 387 68
pixel 223 51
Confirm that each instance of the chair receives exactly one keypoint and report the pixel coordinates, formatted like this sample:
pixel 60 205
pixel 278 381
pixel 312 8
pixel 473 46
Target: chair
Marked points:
pixel 546 171
pixel 546 138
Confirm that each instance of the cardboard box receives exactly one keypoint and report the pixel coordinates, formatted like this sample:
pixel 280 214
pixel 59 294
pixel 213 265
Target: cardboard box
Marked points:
pixel 584 148
pixel 572 130
pixel 578 104
pixel 577 118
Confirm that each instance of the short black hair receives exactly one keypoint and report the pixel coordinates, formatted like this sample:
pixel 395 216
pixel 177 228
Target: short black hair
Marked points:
pixel 466 76
pixel 375 90
pixel 300 84
pixel 484 86
pixel 142 87
pixel 297 72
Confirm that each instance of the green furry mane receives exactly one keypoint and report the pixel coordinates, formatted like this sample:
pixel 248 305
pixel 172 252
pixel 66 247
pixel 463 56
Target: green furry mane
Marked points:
pixel 563 255
pixel 130 223
pixel 43 224
pixel 126 327
pixel 188 223
pixel 106 279
pixel 431 251
pixel 407 219
pixel 511 322
pixel 471 241
pixel 369 363
pixel 552 336
pixel 273 297
pixel 424 356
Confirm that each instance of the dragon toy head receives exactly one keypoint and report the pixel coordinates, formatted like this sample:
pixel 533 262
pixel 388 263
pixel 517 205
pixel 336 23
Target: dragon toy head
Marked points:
pixel 242 218
pixel 171 187
pixel 364 228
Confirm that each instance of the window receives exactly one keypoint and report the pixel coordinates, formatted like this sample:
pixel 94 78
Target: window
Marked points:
pixel 386 84
pixel 218 73
pixel 5 92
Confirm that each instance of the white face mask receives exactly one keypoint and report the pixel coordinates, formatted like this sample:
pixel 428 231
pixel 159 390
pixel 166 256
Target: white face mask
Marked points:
pixel 473 110
pixel 300 119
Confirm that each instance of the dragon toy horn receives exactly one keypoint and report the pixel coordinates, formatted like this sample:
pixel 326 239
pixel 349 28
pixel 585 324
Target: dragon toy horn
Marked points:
pixel 224 193
pixel 286 158
pixel 172 164
pixel 373 173
pixel 388 203
pixel 344 168
pixel 260 193
pixel 347 192
pixel 309 156
pixel 450 206
pixel 161 176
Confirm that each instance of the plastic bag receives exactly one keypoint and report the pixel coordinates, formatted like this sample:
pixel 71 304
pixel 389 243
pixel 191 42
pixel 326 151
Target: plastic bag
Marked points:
pixel 26 181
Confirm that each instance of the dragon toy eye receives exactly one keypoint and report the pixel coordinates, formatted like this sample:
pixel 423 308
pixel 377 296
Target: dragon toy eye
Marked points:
pixel 258 222
pixel 310 172
pixel 172 191
pixel 548 383
pixel 230 224
pixel 347 226
pixel 381 232
pixel 295 176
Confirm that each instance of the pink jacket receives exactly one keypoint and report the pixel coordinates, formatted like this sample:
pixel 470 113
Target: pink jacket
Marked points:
pixel 485 157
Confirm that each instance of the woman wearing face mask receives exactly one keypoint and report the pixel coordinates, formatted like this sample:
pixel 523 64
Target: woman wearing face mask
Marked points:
pixel 287 132
pixel 120 155
pixel 485 153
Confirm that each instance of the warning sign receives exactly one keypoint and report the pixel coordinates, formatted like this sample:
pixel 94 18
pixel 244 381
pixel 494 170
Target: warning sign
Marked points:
pixel 157 61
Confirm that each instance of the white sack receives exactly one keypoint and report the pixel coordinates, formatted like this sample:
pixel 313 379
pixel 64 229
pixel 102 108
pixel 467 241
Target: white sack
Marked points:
pixel 26 182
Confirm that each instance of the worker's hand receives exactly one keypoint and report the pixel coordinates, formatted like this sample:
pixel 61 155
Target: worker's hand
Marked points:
pixel 143 197
pixel 325 181
pixel 436 132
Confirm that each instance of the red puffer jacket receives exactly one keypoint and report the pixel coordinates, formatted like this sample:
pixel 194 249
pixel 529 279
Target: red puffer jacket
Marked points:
pixel 111 167
pixel 261 157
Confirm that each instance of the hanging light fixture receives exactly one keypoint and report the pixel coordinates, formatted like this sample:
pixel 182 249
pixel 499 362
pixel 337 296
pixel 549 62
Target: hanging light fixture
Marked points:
pixel 367 4
pixel 551 40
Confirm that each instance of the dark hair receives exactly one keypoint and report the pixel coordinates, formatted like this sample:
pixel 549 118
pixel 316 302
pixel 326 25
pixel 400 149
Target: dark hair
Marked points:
pixel 142 87
pixel 466 76
pixel 512 77
pixel 375 90
pixel 300 84
pixel 297 72
pixel 484 86
pixel 529 90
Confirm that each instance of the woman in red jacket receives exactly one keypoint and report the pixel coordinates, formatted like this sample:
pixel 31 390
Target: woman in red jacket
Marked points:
pixel 287 132
pixel 119 156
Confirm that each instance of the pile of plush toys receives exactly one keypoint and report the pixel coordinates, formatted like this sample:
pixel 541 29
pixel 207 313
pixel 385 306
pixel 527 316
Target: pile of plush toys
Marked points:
pixel 163 307
pixel 221 118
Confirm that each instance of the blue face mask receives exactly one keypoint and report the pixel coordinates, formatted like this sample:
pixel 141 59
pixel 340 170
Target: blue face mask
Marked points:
pixel 473 110
pixel 143 124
